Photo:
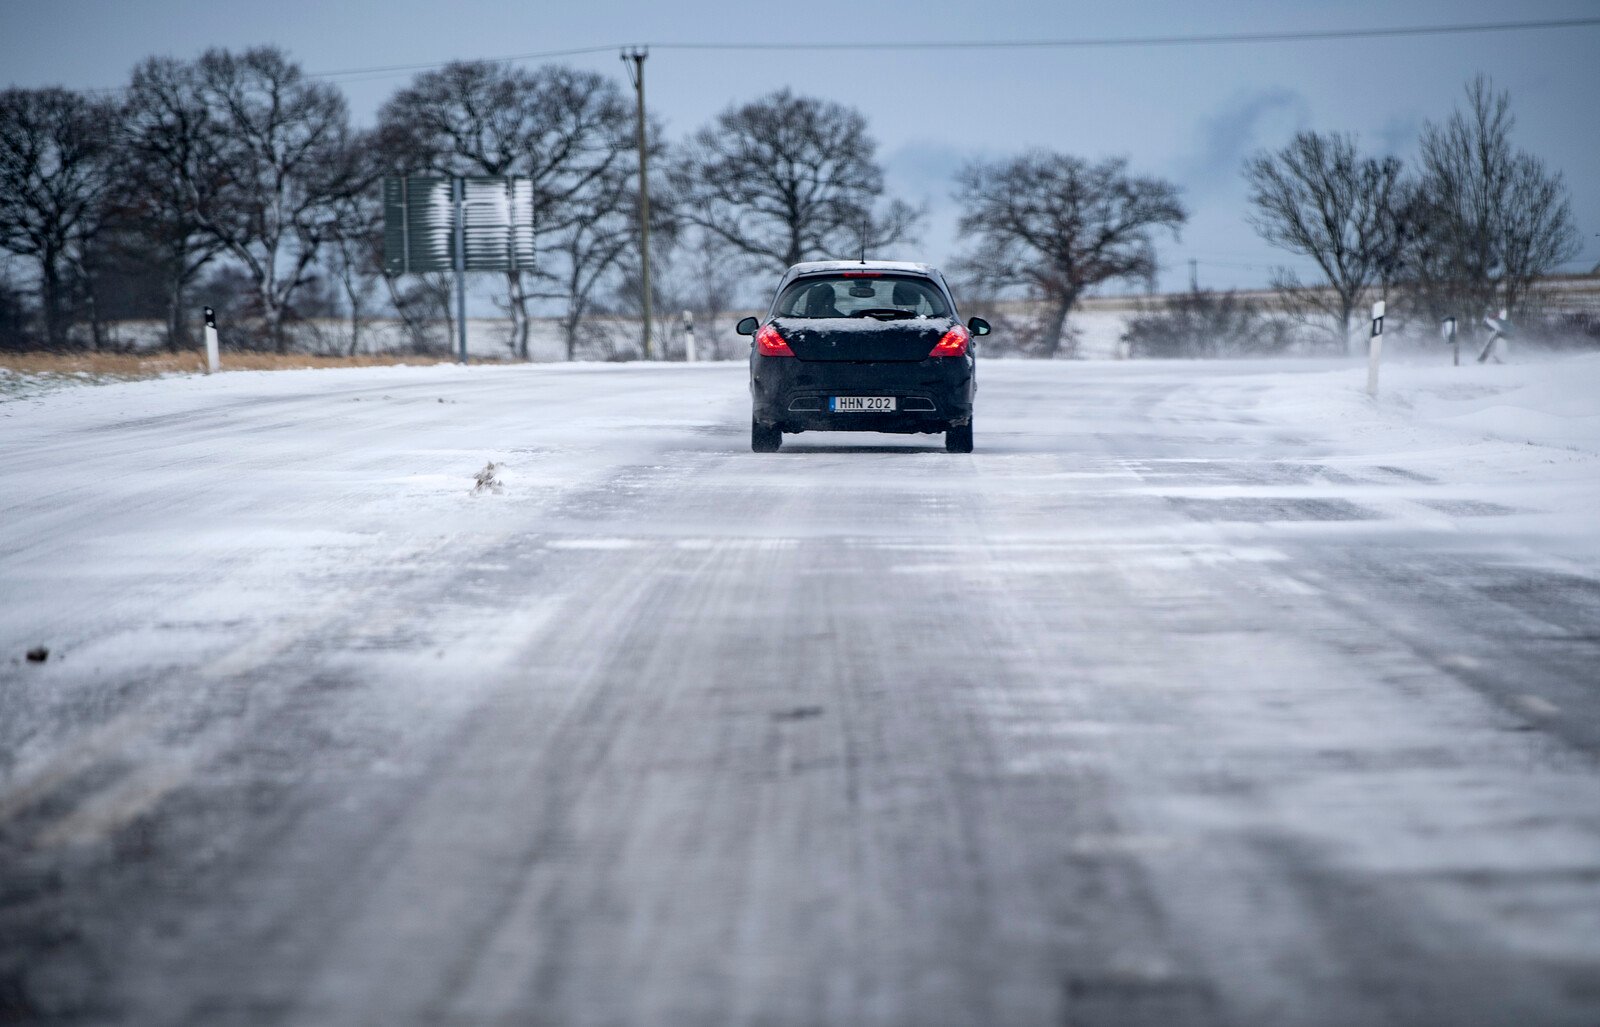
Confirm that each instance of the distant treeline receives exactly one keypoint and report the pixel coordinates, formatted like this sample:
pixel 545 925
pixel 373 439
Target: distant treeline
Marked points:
pixel 236 180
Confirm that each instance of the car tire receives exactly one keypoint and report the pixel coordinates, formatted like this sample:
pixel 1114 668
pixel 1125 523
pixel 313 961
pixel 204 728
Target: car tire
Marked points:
pixel 764 439
pixel 958 439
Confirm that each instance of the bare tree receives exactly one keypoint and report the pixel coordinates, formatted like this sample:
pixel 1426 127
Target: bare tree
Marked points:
pixel 593 245
pixel 1490 219
pixel 354 250
pixel 284 141
pixel 566 131
pixel 1058 225
pixel 422 303
pixel 710 289
pixel 1320 199
pixel 355 254
pixel 173 176
pixel 56 157
pixel 599 240
pixel 788 178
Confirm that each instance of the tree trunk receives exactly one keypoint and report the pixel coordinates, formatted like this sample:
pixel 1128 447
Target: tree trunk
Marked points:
pixel 569 330
pixel 1056 326
pixel 791 258
pixel 449 324
pixel 175 321
pixel 96 326
pixel 415 329
pixel 517 302
pixel 50 300
pixel 1352 347
pixel 272 316
pixel 355 314
pixel 1511 296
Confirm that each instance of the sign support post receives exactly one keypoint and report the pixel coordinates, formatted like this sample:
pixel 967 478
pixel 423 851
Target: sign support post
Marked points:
pixel 1375 349
pixel 425 230
pixel 458 188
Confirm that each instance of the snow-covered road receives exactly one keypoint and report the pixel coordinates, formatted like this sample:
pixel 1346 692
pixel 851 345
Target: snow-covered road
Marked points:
pixel 1200 693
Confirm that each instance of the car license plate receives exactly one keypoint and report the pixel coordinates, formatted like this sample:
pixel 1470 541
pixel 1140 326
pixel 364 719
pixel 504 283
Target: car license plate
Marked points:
pixel 861 404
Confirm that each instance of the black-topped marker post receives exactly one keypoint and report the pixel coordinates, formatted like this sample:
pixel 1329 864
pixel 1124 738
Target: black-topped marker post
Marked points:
pixel 1375 349
pixel 213 354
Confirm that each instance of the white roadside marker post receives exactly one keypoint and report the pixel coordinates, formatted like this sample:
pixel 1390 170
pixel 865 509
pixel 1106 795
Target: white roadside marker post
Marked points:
pixel 1375 349
pixel 1448 329
pixel 213 354
pixel 1499 328
pixel 688 336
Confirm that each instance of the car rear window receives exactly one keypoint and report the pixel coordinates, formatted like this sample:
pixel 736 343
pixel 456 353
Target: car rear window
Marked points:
pixel 847 295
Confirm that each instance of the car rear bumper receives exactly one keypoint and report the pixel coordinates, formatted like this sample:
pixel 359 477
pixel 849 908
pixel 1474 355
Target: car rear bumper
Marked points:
pixel 793 394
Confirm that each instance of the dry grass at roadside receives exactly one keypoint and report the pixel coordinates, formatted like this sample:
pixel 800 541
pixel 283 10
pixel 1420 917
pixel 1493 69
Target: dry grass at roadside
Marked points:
pixel 26 375
pixel 148 365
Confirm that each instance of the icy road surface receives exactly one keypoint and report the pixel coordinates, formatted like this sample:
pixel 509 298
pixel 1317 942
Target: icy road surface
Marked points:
pixel 1200 694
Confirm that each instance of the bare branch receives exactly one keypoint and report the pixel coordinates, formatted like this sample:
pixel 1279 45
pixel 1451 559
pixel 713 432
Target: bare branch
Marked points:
pixel 1320 199
pixel 788 178
pixel 1058 225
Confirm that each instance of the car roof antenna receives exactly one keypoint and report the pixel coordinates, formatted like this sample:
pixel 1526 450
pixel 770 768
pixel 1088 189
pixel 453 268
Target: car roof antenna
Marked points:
pixel 863 240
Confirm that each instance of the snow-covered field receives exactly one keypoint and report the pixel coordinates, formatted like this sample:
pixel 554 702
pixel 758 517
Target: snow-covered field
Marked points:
pixel 1200 692
pixel 1522 437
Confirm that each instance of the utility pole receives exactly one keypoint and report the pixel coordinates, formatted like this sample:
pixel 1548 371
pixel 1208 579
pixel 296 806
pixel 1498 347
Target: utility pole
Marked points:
pixel 1194 275
pixel 636 73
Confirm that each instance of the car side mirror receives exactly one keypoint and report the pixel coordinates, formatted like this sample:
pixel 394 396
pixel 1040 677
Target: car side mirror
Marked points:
pixel 978 326
pixel 747 326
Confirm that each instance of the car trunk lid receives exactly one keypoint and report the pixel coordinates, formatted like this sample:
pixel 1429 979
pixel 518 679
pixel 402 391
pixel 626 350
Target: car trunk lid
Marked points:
pixel 862 339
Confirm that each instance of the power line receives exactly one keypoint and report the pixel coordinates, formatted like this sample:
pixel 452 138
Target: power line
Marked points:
pixel 534 56
pixel 1232 263
pixel 1184 40
pixel 386 70
pixel 1084 42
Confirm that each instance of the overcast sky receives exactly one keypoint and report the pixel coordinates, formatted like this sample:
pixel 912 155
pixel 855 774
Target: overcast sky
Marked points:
pixel 1188 113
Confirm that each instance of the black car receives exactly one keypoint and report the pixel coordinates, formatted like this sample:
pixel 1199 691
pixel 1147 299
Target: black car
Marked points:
pixel 862 346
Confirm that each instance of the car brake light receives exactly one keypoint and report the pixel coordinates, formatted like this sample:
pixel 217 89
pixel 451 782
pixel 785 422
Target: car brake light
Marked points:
pixel 954 343
pixel 770 344
pixel 861 274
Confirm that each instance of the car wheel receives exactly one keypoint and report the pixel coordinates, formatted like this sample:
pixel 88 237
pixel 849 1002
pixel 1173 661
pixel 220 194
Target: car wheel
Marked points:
pixel 764 439
pixel 959 438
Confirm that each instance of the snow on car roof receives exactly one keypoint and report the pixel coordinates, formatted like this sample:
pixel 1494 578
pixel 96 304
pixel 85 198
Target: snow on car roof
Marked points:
pixel 808 267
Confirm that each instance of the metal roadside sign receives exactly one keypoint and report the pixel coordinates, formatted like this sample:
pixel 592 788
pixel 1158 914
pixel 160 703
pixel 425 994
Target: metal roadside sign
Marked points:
pixel 461 224
pixel 421 214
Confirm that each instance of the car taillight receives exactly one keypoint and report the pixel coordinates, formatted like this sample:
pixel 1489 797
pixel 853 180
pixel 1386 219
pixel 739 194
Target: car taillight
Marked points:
pixel 770 344
pixel 954 343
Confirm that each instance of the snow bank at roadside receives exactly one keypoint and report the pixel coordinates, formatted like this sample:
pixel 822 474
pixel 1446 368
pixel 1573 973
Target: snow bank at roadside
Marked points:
pixel 1553 402
pixel 1521 437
